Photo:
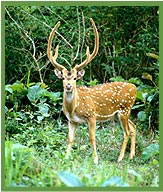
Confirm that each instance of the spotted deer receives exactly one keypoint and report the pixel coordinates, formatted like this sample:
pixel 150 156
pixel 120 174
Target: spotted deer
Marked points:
pixel 91 104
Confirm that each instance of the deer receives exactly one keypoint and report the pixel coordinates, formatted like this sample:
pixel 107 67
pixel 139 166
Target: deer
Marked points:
pixel 82 104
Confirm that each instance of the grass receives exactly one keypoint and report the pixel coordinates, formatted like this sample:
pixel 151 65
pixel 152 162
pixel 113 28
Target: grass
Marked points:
pixel 35 157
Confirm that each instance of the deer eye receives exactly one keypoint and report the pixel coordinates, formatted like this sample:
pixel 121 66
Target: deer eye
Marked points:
pixel 74 78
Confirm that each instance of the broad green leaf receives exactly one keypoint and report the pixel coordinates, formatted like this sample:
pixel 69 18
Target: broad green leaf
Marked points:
pixel 40 118
pixel 43 109
pixel 34 93
pixel 43 99
pixel 135 80
pixel 150 151
pixel 30 84
pixel 6 109
pixel 52 95
pixel 150 98
pixel 139 95
pixel 93 82
pixel 69 179
pixel 142 116
pixel 118 78
pixel 8 89
pixel 17 86
pixel 144 95
pixel 115 181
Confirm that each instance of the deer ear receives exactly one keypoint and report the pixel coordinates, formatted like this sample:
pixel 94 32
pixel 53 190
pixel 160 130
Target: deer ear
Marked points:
pixel 80 74
pixel 58 73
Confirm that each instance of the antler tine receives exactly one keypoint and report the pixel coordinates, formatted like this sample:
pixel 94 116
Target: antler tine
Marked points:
pixel 96 47
pixel 50 53
pixel 95 51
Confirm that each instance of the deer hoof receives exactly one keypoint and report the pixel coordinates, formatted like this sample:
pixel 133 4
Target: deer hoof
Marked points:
pixel 132 155
pixel 120 158
pixel 96 160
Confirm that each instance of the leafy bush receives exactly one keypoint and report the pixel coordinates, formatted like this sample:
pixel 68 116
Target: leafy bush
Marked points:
pixel 151 151
pixel 24 103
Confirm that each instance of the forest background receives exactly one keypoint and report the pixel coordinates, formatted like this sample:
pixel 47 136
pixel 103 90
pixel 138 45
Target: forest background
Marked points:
pixel 35 127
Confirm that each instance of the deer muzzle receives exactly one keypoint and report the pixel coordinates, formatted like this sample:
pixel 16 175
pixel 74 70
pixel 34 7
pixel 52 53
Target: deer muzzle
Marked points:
pixel 68 87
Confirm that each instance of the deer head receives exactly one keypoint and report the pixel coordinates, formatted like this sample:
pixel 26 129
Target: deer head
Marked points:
pixel 69 77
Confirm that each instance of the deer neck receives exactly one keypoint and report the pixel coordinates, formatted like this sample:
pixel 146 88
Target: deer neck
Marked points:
pixel 70 101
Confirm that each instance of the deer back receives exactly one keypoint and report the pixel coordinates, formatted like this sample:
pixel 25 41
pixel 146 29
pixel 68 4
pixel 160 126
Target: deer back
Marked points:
pixel 104 101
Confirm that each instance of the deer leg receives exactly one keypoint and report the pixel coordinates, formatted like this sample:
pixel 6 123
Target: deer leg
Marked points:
pixel 124 123
pixel 132 128
pixel 72 129
pixel 92 131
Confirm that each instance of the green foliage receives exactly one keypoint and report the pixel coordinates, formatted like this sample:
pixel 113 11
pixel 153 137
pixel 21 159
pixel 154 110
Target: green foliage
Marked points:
pixel 126 42
pixel 25 103
pixel 142 116
pixel 115 181
pixel 147 105
pixel 18 159
pixel 93 82
pixel 37 158
pixel 34 93
pixel 150 151
pixel 117 78
pixel 69 179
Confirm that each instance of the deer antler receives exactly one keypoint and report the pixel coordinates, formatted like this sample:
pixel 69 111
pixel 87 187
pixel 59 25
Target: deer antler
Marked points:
pixel 89 56
pixel 95 51
pixel 49 52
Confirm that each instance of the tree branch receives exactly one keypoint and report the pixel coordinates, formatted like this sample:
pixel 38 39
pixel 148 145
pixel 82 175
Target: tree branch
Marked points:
pixel 78 36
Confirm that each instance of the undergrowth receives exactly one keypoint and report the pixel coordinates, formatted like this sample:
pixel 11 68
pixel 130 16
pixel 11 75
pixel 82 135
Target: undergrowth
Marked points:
pixel 36 158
